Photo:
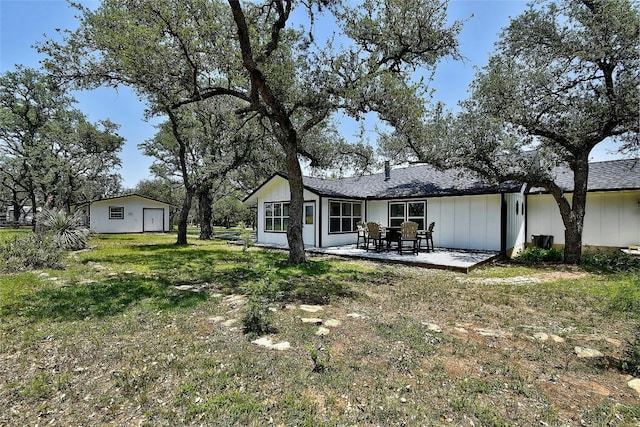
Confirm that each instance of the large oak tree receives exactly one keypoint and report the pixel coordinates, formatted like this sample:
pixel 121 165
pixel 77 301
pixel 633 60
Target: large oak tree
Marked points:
pixel 179 53
pixel 49 151
pixel 565 77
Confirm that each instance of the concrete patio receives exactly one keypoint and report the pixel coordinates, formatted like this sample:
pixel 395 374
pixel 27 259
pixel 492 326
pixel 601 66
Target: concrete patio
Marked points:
pixel 441 258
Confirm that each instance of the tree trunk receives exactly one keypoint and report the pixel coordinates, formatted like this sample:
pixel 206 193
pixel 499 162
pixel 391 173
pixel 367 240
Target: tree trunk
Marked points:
pixel 282 125
pixel 575 227
pixel 33 210
pixel 184 216
pixel 572 213
pixel 294 231
pixel 206 214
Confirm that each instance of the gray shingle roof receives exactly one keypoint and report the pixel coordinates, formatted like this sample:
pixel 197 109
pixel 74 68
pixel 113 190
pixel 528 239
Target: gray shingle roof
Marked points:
pixel 408 182
pixel 608 175
pixel 426 181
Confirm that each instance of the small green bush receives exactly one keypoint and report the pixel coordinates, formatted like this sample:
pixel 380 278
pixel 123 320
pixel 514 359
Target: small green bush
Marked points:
pixel 631 360
pixel 30 252
pixel 535 254
pixel 257 315
pixel 611 263
pixel 256 320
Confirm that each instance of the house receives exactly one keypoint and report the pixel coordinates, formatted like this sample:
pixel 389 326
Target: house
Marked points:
pixel 469 213
pixel 128 214
pixel 25 216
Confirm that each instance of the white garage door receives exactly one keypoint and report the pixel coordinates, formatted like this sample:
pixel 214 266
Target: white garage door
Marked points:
pixel 153 219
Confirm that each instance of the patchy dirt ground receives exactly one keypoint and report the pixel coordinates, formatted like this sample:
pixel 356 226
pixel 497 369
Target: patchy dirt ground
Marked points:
pixel 404 346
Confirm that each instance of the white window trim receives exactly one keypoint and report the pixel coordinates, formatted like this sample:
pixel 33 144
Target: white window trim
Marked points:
pixel 116 212
pixel 352 217
pixel 273 217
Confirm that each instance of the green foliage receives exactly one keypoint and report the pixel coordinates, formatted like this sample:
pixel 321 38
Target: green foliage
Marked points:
pixel 257 316
pixel 610 263
pixel 245 236
pixel 49 148
pixel 68 231
pixel 631 359
pixel 30 252
pixel 535 255
pixel 256 320
pixel 320 356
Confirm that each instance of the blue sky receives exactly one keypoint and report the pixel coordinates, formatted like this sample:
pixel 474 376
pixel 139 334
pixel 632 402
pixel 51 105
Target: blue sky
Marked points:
pixel 24 22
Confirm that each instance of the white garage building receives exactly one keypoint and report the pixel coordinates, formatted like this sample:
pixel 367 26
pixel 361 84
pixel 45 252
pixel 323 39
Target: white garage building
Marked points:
pixel 128 214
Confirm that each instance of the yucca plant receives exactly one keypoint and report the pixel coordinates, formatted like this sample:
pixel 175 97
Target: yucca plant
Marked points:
pixel 68 231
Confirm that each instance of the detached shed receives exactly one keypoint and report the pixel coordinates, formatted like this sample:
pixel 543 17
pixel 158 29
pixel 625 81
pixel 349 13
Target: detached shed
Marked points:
pixel 129 214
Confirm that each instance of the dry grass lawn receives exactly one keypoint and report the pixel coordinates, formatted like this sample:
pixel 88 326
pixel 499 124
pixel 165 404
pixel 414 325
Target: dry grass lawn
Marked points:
pixel 138 332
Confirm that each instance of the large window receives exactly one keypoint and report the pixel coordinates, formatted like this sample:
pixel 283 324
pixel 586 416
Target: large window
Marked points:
pixel 276 216
pixel 400 212
pixel 343 216
pixel 116 212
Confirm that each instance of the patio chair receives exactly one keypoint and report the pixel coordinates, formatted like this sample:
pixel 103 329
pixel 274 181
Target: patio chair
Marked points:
pixel 428 236
pixel 374 235
pixel 408 240
pixel 362 234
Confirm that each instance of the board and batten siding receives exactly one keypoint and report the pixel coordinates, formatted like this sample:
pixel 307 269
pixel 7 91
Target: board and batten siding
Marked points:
pixel 611 219
pixel 462 222
pixel 133 220
pixel 277 190
pixel 466 222
pixel 516 215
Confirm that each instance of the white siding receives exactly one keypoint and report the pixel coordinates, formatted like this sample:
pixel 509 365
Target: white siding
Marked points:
pixel 378 211
pixel 277 190
pixel 133 214
pixel 515 223
pixel 462 222
pixel 466 222
pixel 611 218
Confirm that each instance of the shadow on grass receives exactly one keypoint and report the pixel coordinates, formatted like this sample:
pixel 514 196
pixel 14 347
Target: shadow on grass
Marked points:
pixel 220 268
pixel 227 268
pixel 98 300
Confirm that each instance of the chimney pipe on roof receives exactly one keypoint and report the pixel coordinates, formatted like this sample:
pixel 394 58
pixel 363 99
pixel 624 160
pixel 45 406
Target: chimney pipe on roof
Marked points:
pixel 387 170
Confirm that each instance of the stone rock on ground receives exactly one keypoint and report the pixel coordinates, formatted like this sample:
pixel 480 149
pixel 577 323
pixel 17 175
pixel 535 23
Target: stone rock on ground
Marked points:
pixel 332 323
pixel 587 353
pixel 322 331
pixel 266 342
pixel 635 384
pixel 311 308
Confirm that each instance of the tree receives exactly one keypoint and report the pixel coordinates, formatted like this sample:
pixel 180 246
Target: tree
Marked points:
pixel 202 146
pixel 49 152
pixel 565 78
pixel 180 53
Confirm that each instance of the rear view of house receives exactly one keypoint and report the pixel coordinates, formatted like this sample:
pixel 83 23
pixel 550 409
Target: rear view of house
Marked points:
pixel 468 213
pixel 129 214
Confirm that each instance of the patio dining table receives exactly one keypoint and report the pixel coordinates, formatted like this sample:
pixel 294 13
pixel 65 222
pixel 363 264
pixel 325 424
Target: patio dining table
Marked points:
pixel 391 235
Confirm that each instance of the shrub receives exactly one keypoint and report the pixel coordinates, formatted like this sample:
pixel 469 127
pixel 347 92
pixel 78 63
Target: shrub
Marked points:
pixel 536 254
pixel 257 316
pixel 256 320
pixel 612 263
pixel 631 360
pixel 30 252
pixel 320 356
pixel 68 231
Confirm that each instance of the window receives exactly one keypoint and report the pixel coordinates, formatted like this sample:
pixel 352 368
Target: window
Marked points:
pixel 276 216
pixel 417 213
pixel 343 216
pixel 400 212
pixel 116 212
pixel 396 214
